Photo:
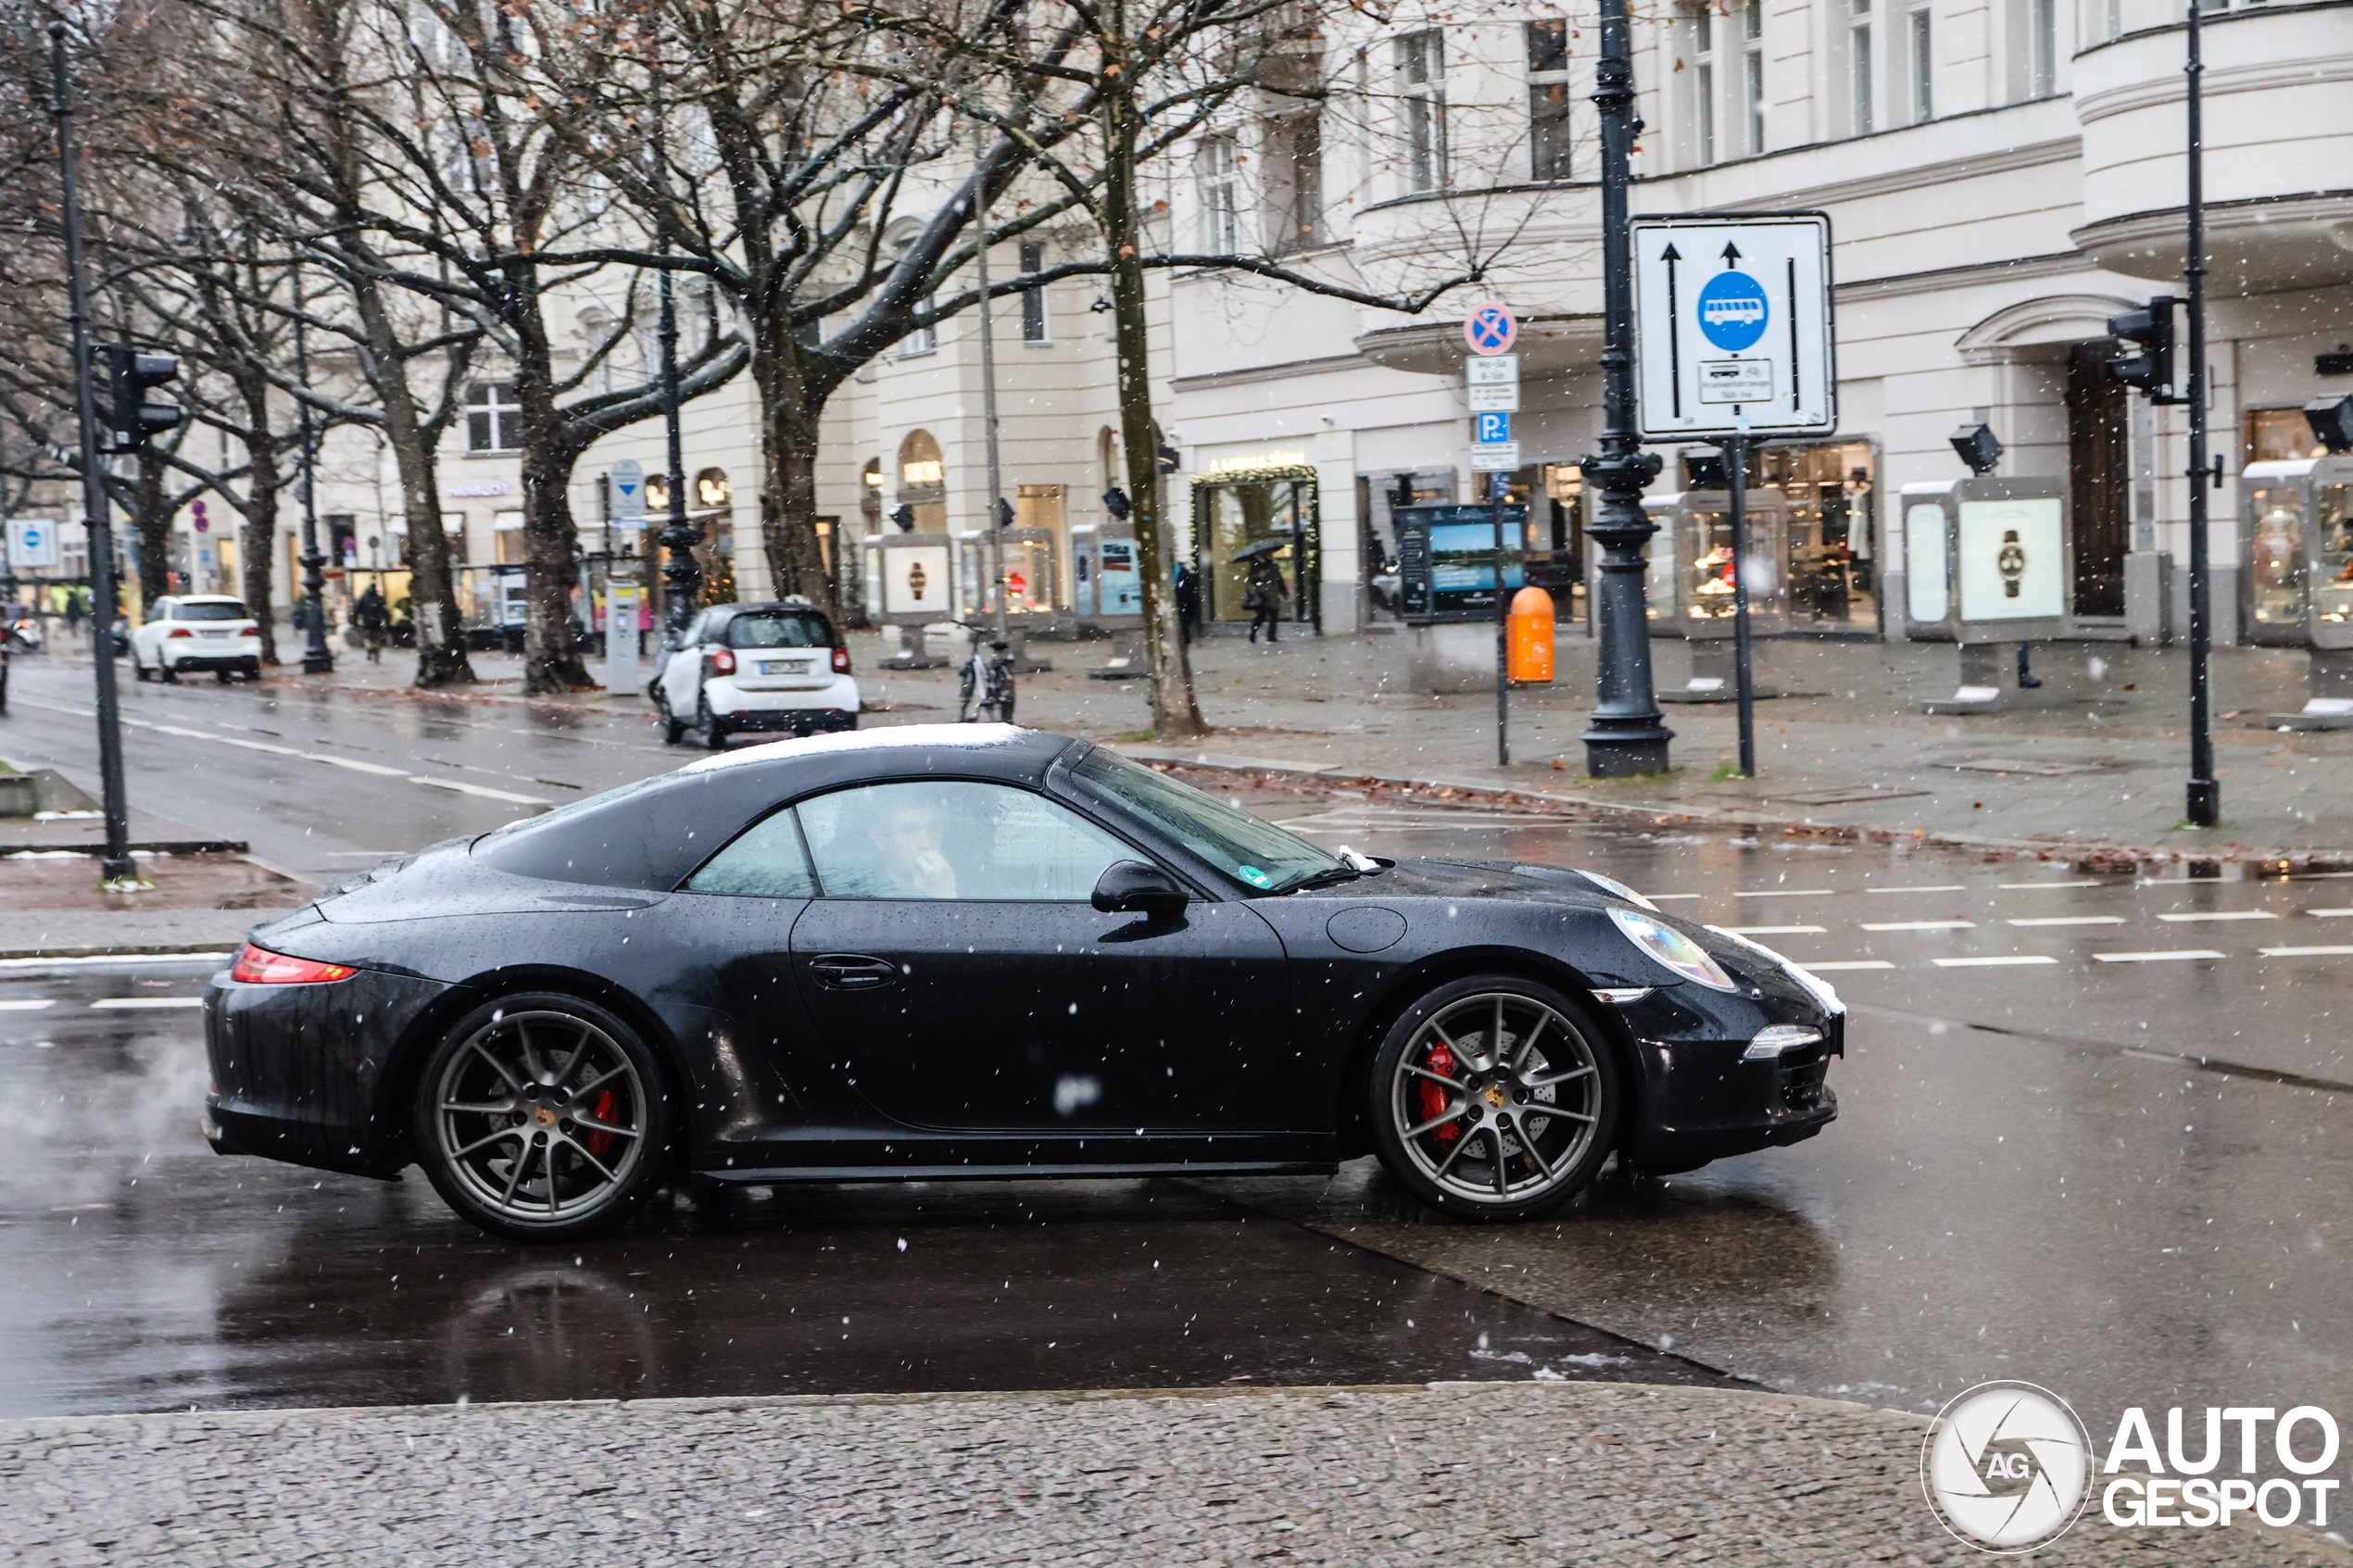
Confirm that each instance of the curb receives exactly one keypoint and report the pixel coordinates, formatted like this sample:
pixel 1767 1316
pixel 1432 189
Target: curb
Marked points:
pixel 2121 855
pixel 151 845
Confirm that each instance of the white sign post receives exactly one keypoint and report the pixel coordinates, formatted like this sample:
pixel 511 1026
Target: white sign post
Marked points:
pixel 1733 327
pixel 32 541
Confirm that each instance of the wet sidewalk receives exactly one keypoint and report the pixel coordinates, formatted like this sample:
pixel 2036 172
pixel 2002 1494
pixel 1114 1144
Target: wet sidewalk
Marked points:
pixel 1495 1474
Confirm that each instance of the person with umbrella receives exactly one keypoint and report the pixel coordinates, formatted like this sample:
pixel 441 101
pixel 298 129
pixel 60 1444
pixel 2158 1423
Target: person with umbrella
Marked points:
pixel 1264 590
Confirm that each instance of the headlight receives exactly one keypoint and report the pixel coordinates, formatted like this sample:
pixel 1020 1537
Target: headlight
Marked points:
pixel 1775 1038
pixel 1674 949
pixel 1615 888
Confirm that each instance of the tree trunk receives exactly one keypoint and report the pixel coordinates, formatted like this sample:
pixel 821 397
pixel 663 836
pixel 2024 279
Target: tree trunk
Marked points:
pixel 1176 712
pixel 433 594
pixel 152 524
pixel 788 468
pixel 552 641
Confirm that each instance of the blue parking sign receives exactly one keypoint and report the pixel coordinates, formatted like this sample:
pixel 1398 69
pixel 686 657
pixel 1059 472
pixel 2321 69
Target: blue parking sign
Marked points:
pixel 1488 428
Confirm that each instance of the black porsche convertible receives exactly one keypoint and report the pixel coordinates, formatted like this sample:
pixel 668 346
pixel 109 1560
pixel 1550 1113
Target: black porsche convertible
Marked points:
pixel 976 950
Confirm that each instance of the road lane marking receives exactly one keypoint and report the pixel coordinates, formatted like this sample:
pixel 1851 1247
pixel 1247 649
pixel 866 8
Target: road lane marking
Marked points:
pixel 2070 920
pixel 2329 912
pixel 1920 925
pixel 26 1003
pixel 2015 886
pixel 483 790
pixel 101 960
pixel 1995 962
pixel 1938 887
pixel 1783 892
pixel 1774 930
pixel 2221 914
pixel 145 1002
pixel 1847 963
pixel 2285 953
pixel 2170 956
pixel 1672 898
pixel 358 767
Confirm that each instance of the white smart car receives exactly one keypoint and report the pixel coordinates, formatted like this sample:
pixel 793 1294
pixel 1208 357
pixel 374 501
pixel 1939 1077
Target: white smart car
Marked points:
pixel 778 668
pixel 197 632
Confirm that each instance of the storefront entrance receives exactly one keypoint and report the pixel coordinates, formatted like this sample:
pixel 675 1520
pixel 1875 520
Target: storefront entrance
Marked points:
pixel 1234 509
pixel 2099 466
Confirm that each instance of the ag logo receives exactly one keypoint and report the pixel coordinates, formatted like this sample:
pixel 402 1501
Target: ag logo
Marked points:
pixel 2007 1467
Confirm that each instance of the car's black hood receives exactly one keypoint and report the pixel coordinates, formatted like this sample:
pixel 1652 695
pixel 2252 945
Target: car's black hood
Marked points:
pixel 1468 879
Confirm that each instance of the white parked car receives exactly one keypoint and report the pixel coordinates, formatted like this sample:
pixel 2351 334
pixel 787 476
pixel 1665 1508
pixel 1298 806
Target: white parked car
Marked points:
pixel 197 632
pixel 777 668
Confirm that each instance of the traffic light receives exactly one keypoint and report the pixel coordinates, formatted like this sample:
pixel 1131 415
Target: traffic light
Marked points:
pixel 130 373
pixel 2152 332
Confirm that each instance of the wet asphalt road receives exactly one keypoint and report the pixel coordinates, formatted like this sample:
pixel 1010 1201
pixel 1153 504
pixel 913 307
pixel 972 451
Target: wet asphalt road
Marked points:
pixel 2093 1135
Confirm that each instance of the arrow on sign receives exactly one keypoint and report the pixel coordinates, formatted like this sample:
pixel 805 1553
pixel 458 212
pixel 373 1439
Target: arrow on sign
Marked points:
pixel 1674 336
pixel 1731 256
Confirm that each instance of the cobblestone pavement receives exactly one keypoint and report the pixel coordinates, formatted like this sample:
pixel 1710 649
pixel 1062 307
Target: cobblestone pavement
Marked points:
pixel 1481 1475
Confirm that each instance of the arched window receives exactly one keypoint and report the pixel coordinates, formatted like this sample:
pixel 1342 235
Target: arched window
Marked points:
pixel 923 481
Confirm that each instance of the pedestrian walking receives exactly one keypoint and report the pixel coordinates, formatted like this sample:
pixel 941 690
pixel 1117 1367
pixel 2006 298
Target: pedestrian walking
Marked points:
pixel 373 618
pixel 1188 604
pixel 73 612
pixel 1263 595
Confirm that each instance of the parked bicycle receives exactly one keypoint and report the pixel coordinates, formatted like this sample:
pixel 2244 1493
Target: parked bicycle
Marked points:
pixel 985 688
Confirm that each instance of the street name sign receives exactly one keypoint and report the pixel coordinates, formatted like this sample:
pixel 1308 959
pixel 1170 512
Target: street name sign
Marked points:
pixel 1495 457
pixel 628 489
pixel 1733 326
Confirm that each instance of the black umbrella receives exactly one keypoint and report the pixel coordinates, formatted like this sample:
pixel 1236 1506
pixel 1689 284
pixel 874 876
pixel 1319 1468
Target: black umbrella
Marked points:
pixel 1263 548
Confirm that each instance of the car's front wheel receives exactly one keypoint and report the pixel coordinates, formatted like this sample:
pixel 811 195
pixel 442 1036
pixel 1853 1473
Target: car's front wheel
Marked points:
pixel 1495 1097
pixel 542 1117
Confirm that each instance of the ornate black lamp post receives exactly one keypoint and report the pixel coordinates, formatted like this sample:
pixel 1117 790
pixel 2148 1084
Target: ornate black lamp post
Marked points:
pixel 316 657
pixel 1628 734
pixel 677 535
pixel 2206 791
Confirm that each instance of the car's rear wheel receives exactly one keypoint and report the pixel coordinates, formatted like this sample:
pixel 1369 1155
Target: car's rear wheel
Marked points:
pixel 708 729
pixel 673 732
pixel 1495 1097
pixel 542 1117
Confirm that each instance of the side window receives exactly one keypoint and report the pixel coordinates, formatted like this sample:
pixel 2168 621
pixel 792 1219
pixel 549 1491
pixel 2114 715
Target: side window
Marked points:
pixel 974 842
pixel 692 635
pixel 766 861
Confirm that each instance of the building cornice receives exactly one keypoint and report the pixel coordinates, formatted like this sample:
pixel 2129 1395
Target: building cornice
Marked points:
pixel 2173 88
pixel 1286 368
pixel 2050 265
pixel 2034 155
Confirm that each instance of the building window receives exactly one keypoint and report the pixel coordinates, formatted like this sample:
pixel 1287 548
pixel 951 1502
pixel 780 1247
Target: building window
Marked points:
pixel 2042 47
pixel 1548 99
pixel 1858 66
pixel 1220 208
pixel 1704 80
pixel 493 419
pixel 1421 79
pixel 1753 71
pixel 1294 177
pixel 1923 67
pixel 1033 296
pixel 923 339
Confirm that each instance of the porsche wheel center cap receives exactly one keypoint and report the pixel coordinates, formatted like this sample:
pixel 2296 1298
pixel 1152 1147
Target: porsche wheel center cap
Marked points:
pixel 1493 1095
pixel 543 1115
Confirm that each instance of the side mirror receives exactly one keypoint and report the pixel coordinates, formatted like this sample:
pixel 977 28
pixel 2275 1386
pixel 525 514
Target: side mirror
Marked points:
pixel 1136 888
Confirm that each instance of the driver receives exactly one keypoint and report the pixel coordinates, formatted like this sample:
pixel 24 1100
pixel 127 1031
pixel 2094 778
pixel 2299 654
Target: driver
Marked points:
pixel 907 835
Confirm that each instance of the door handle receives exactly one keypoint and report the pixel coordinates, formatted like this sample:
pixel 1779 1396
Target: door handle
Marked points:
pixel 852 972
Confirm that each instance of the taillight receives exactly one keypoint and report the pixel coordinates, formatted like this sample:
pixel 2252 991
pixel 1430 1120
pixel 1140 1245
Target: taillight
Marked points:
pixel 178 632
pixel 721 663
pixel 259 966
pixel 841 661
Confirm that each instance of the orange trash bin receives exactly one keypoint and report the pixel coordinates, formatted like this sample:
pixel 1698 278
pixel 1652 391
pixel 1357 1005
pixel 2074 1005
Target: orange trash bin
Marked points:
pixel 1532 637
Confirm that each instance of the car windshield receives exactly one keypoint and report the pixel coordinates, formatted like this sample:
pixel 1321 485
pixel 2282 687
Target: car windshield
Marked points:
pixel 1243 847
pixel 216 609
pixel 781 629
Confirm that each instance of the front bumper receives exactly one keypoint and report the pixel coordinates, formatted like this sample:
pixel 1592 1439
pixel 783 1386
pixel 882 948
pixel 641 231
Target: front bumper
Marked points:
pixel 1701 1101
pixel 213 655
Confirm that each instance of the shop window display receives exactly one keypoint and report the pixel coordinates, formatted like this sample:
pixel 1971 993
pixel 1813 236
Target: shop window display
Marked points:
pixel 2332 590
pixel 2278 556
pixel 1833 531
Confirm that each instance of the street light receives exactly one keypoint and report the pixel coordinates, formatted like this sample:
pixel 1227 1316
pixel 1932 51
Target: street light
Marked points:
pixel 1629 733
pixel 316 658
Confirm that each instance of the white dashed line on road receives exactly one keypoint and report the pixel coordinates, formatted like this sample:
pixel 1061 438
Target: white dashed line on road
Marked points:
pixel 84 960
pixel 2221 914
pixel 2329 912
pixel 1920 925
pixel 25 1003
pixel 145 1002
pixel 483 790
pixel 1848 963
pixel 2304 952
pixel 1939 887
pixel 2070 920
pixel 2170 956
pixel 1783 892
pixel 1999 961
pixel 1774 930
pixel 2016 886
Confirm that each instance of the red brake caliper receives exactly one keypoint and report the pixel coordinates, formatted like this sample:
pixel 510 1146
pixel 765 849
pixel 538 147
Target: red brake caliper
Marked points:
pixel 600 1106
pixel 1435 1097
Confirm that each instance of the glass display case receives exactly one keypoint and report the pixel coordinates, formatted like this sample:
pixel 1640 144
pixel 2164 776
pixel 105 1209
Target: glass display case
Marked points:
pixel 2276 604
pixel 1704 588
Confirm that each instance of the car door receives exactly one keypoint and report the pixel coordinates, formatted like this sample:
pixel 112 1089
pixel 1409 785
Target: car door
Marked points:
pixel 953 963
pixel 682 671
pixel 146 641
